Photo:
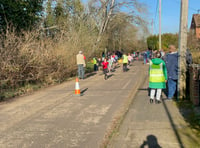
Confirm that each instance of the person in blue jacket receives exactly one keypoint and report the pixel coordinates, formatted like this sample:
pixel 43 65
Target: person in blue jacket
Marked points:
pixel 171 61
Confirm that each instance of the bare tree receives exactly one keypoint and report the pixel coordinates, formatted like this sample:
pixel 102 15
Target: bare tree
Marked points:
pixel 104 10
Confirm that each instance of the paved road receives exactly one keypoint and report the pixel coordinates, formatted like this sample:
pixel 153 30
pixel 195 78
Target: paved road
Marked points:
pixel 53 117
pixel 154 125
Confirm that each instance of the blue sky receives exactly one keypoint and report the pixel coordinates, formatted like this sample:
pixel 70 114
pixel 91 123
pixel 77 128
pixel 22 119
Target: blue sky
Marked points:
pixel 170 14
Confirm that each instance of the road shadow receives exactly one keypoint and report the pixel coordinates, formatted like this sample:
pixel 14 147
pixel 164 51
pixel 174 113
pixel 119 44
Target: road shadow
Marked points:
pixel 146 143
pixel 83 91
pixel 112 70
pixel 110 75
pixel 90 75
pixel 151 142
pixel 126 70
pixel 145 89
pixel 173 125
pixel 117 66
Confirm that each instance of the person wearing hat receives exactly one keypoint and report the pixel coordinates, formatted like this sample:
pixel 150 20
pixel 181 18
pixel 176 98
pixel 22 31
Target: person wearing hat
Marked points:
pixel 81 64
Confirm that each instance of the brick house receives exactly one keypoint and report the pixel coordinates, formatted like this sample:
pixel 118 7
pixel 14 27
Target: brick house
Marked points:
pixel 195 25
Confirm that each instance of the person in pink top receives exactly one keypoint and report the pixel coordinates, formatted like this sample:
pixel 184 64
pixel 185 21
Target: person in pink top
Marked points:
pixel 105 68
pixel 130 59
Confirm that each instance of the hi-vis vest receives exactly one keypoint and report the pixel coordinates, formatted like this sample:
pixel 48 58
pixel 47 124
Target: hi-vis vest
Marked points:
pixel 125 59
pixel 156 73
pixel 94 61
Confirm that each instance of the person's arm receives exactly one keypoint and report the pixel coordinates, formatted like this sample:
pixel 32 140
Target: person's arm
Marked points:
pixel 84 64
pixel 165 70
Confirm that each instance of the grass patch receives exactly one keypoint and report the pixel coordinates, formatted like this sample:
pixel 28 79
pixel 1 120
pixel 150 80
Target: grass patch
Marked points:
pixel 191 114
pixel 11 93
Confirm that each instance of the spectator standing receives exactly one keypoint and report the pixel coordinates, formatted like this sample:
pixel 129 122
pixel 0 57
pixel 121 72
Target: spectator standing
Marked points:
pixel 81 64
pixel 171 60
pixel 157 77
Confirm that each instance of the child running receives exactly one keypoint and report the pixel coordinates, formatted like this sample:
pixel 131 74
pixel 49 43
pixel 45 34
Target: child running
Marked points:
pixel 110 63
pixel 130 59
pixel 105 68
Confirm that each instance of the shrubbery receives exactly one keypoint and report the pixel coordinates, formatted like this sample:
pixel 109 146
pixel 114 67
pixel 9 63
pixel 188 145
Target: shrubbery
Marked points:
pixel 33 58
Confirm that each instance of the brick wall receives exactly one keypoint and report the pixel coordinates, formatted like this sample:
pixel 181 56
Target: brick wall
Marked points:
pixel 195 84
pixel 198 33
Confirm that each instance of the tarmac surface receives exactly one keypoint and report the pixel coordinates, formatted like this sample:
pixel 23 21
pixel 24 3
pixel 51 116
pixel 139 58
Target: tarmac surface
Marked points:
pixel 54 117
pixel 113 113
pixel 153 125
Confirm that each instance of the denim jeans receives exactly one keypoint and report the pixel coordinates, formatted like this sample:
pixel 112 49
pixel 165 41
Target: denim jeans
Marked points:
pixel 172 87
pixel 81 71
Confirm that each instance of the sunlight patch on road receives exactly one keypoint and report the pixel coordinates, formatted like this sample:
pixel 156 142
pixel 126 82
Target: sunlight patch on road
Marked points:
pixel 93 114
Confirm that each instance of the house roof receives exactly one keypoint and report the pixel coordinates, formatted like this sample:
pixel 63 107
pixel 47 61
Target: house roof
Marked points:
pixel 195 21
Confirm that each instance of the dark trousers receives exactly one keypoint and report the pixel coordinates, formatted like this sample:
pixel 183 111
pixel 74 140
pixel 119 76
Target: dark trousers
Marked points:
pixel 124 67
pixel 95 67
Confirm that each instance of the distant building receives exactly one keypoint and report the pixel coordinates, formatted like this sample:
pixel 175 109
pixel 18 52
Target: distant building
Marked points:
pixel 195 25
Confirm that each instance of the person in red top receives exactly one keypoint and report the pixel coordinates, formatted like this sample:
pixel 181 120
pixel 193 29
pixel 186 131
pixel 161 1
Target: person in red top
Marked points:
pixel 105 68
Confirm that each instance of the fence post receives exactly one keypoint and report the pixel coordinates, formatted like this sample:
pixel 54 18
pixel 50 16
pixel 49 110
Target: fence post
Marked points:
pixel 195 84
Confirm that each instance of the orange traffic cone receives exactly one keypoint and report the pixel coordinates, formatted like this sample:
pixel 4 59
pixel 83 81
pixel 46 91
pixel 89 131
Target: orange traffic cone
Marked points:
pixel 77 88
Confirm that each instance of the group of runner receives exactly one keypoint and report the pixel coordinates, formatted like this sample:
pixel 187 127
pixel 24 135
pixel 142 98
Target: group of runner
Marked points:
pixel 106 63
pixel 109 62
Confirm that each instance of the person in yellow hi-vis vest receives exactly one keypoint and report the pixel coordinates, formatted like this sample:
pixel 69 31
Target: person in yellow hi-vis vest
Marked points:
pixel 125 62
pixel 95 64
pixel 157 77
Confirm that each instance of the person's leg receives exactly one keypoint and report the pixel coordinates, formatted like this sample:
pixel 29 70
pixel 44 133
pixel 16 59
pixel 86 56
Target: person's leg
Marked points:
pixel 97 68
pixel 158 94
pixel 171 88
pixel 83 72
pixel 126 67
pixel 152 94
pixel 105 73
pixel 109 69
pixel 79 71
pixel 123 67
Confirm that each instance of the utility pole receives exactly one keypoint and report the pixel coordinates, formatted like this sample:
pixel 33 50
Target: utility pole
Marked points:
pixel 183 29
pixel 160 25
pixel 152 27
